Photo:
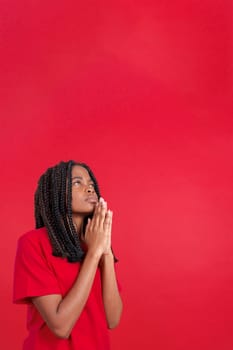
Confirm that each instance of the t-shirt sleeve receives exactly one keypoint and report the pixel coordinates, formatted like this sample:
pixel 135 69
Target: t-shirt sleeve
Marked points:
pixel 32 274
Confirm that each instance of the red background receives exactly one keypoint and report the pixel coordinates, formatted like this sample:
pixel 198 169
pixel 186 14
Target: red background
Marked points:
pixel 142 92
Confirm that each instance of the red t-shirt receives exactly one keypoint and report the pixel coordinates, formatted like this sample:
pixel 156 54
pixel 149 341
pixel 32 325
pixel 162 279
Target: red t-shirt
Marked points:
pixel 37 273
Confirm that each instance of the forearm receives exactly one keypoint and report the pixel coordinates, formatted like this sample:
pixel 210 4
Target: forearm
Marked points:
pixel 60 313
pixel 72 305
pixel 111 297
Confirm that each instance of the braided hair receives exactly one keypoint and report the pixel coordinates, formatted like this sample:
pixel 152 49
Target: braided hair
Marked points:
pixel 53 209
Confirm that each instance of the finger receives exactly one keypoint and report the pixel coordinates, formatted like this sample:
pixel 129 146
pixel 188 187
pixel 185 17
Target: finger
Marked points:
pixel 110 225
pixel 108 221
pixel 103 211
pixel 95 215
pixel 86 229
pixel 100 213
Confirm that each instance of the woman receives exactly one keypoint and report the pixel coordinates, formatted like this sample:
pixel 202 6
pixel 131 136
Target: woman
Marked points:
pixel 64 269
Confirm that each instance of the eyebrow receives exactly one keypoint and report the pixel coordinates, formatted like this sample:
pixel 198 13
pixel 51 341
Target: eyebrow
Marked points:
pixel 80 178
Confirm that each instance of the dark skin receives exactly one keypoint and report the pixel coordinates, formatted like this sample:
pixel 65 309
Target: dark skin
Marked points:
pixel 60 314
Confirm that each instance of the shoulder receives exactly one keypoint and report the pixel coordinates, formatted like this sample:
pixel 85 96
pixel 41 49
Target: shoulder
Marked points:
pixel 36 237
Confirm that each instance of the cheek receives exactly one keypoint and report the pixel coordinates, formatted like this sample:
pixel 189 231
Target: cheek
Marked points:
pixel 77 201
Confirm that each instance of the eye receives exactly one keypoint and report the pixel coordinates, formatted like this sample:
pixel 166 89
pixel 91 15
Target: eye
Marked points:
pixel 76 183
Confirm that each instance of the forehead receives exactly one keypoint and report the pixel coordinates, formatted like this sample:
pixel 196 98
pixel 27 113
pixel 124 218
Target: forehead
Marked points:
pixel 78 170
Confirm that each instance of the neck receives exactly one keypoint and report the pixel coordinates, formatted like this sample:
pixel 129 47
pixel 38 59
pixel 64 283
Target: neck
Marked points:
pixel 78 224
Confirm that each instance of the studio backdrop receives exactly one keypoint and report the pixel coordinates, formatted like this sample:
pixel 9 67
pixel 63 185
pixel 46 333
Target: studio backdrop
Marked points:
pixel 142 92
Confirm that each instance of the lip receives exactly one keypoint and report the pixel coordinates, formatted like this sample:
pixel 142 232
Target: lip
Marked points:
pixel 92 199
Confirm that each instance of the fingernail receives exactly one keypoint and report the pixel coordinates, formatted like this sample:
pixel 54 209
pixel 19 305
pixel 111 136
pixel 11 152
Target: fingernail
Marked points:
pixel 101 200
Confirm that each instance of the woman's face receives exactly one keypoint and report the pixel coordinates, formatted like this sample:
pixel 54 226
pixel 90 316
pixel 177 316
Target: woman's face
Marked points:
pixel 84 197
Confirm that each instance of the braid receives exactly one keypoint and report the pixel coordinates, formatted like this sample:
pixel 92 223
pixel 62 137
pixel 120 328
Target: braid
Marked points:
pixel 75 237
pixel 38 217
pixel 53 209
pixel 47 213
pixel 62 202
pixel 58 234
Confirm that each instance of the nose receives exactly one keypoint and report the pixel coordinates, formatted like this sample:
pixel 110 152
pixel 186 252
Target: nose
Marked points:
pixel 90 189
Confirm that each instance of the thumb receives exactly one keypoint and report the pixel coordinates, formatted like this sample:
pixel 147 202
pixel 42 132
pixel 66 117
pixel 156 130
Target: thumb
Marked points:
pixel 86 229
pixel 88 224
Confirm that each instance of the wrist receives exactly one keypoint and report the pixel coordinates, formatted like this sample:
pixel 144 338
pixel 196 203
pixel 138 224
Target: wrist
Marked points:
pixel 94 254
pixel 106 258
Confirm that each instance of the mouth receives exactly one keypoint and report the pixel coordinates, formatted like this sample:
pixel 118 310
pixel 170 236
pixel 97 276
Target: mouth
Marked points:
pixel 92 199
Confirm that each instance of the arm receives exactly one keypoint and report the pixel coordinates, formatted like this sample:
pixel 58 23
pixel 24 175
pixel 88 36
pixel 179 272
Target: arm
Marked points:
pixel 59 313
pixel 111 297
